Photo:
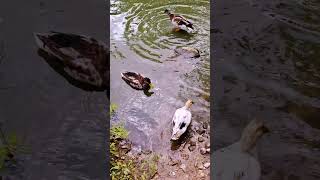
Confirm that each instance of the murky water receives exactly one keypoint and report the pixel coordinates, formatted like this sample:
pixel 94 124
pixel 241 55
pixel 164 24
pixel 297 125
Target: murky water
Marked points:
pixel 142 41
pixel 62 127
pixel 266 58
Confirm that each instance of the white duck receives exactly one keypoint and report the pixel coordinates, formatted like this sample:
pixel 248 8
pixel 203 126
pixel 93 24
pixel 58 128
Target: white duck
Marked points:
pixel 181 120
pixel 239 160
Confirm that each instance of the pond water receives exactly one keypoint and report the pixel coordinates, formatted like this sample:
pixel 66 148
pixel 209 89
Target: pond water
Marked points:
pixel 266 62
pixel 142 41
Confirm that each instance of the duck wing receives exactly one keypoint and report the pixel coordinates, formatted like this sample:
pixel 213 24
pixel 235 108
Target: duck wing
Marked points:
pixel 180 20
pixel 84 58
pixel 133 79
pixel 183 115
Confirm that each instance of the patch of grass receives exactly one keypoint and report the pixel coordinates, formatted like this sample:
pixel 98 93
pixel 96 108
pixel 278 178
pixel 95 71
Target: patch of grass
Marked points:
pixel 129 167
pixel 118 132
pixel 7 149
pixel 113 108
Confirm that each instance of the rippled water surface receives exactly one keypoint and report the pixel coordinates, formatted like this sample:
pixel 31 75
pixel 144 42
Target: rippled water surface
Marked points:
pixel 142 41
pixel 266 57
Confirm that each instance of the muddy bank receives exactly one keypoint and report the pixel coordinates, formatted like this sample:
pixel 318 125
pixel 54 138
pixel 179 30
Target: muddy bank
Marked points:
pixel 190 162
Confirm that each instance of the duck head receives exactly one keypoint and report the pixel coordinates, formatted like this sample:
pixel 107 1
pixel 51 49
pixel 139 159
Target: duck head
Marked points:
pixel 251 134
pixel 169 13
pixel 146 84
pixel 179 126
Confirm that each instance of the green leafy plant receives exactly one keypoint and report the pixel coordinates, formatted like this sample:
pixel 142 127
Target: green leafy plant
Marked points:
pixel 119 132
pixel 113 108
pixel 127 167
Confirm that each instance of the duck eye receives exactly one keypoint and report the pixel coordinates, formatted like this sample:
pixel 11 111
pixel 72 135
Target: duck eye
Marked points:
pixel 182 125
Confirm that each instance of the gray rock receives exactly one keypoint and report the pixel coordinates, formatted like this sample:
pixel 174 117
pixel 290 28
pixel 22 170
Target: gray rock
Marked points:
pixel 200 131
pixel 203 151
pixel 183 167
pixel 205 125
pixel 192 142
pixel 200 139
pixel 206 165
pixel 192 148
pixel 172 173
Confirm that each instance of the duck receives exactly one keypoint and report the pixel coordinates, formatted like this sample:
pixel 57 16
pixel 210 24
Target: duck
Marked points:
pixel 180 22
pixel 82 58
pixel 136 80
pixel 239 160
pixel 181 120
pixel 189 52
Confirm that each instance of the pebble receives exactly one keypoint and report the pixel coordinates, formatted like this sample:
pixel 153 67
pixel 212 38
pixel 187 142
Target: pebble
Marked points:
pixel 208 150
pixel 206 165
pixel 205 125
pixel 200 131
pixel 207 145
pixel 185 156
pixel 183 167
pixel 146 152
pixel 192 148
pixel 199 165
pixel 193 142
pixel 200 139
pixel 172 173
pixel 174 162
pixel 203 151
pixel 201 174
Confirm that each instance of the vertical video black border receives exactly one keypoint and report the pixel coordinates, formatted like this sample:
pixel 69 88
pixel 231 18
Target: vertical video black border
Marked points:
pixel 213 78
pixel 107 152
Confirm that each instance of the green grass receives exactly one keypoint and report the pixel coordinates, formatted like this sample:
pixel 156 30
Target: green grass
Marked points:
pixel 126 167
pixel 113 108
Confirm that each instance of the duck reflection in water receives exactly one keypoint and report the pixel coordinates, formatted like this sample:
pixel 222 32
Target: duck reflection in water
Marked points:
pixel 83 61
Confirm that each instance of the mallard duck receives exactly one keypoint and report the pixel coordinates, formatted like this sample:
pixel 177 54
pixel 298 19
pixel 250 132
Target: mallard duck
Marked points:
pixel 239 160
pixel 136 81
pixel 180 22
pixel 181 120
pixel 83 58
